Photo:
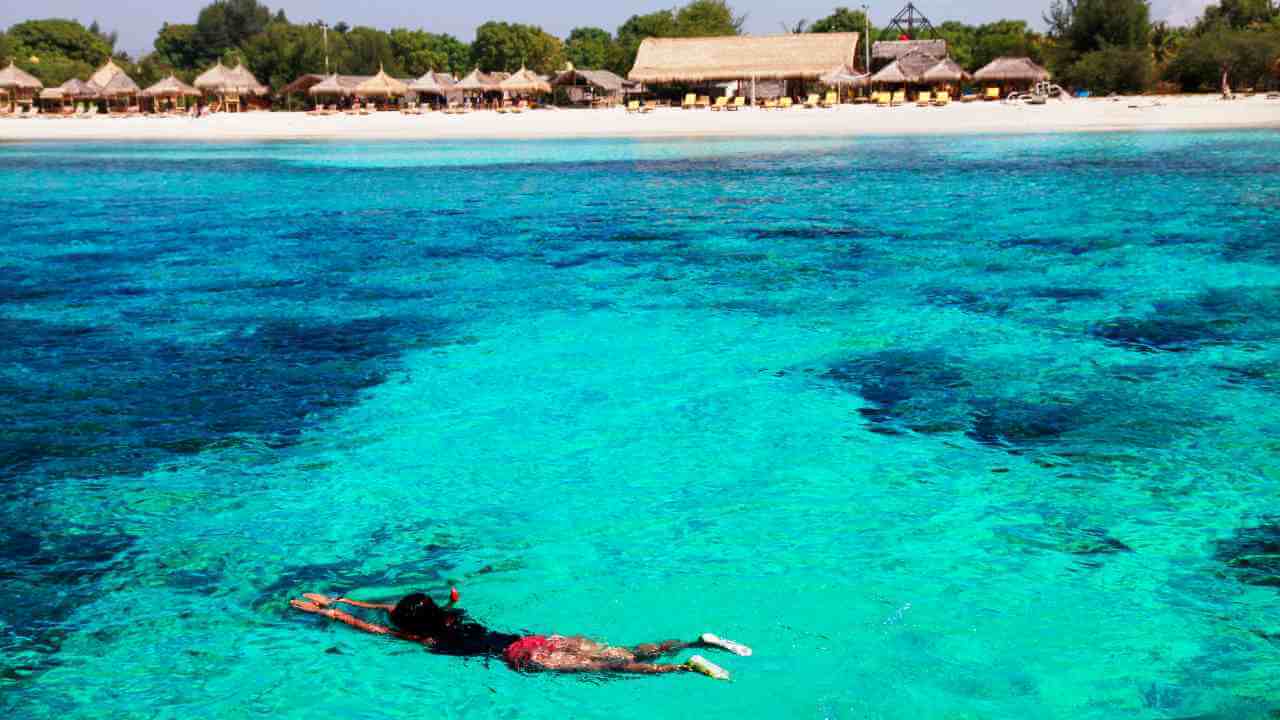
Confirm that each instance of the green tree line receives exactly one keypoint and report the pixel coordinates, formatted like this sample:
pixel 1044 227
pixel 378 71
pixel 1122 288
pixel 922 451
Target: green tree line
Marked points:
pixel 1102 45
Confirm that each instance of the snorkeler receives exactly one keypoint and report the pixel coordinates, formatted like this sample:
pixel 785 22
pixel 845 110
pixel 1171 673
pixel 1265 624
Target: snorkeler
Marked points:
pixel 418 619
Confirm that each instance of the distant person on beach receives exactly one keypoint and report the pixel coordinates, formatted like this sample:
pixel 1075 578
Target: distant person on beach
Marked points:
pixel 442 630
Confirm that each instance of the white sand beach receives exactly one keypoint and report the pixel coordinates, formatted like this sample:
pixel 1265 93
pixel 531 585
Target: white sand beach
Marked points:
pixel 1076 115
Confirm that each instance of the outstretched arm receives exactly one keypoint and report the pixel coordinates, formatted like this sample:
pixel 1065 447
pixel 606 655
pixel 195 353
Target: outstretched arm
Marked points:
pixel 325 601
pixel 310 606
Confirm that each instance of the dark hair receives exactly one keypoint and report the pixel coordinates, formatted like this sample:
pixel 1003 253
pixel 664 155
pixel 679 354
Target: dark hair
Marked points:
pixel 420 615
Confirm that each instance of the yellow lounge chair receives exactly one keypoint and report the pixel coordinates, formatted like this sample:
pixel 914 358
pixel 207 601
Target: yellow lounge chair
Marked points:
pixel 771 104
pixel 993 93
pixel 883 99
pixel 942 99
pixel 924 99
pixel 690 101
pixel 812 101
pixel 633 106
pixel 704 102
pixel 738 103
pixel 832 99
pixel 785 103
pixel 899 98
pixel 722 102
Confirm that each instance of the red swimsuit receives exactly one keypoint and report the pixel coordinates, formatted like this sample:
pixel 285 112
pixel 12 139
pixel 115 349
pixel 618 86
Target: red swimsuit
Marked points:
pixel 519 654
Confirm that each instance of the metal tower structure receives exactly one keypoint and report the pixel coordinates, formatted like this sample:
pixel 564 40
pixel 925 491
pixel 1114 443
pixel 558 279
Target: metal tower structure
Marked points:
pixel 910 22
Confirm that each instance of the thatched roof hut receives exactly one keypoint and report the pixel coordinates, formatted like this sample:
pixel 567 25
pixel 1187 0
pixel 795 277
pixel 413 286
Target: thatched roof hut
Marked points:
pixel 428 84
pixel 220 79
pixel 1012 69
pixel 525 82
pixel 105 74
pixel 478 82
pixel 73 89
pixel 946 71
pixel 908 69
pixel 15 78
pixel 381 85
pixel 119 86
pixel 805 56
pixel 170 87
pixel 894 49
pixel 335 86
pixel 599 79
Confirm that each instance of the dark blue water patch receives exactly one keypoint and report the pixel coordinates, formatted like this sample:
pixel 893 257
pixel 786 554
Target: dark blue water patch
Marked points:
pixel 1019 423
pixel 1252 554
pixel 44 578
pixel 902 386
pixel 967 300
pixel 1064 538
pixel 1067 294
pixel 89 401
pixel 1262 375
pixel 1251 244
pixel 814 232
pixel 1215 317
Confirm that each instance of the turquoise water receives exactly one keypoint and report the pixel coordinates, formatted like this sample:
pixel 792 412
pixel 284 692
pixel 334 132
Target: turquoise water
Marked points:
pixel 944 428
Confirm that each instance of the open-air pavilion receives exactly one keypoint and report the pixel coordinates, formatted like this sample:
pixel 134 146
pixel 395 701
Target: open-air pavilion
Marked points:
pixel 480 85
pixel 382 89
pixel 795 59
pixel 20 87
pixel 595 88
pixel 68 97
pixel 230 89
pixel 524 83
pixel 1011 74
pixel 170 94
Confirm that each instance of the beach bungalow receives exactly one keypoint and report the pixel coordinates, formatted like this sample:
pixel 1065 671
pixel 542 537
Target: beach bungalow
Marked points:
pixel 479 85
pixel 64 98
pixel 594 88
pixel 20 86
pixel 946 77
pixel 1009 74
pixel 381 88
pixel 524 83
pixel 700 62
pixel 230 89
pixel 905 73
pixel 170 94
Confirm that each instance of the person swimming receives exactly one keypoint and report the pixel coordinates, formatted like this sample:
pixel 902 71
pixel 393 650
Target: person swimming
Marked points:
pixel 444 630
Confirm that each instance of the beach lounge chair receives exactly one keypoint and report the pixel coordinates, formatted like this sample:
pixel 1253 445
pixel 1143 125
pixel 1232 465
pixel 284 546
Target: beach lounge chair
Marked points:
pixel 633 106
pixel 786 103
pixel 704 102
pixel 899 98
pixel 831 100
pixel 811 101
pixel 738 103
pixel 924 99
pixel 942 99
pixel 690 102
pixel 993 93
pixel 722 102
pixel 771 104
pixel 883 99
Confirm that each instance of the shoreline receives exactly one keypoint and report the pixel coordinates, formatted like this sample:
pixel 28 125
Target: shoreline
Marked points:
pixel 1138 114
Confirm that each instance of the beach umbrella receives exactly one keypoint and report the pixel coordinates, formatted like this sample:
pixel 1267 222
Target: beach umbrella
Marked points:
pixel 844 76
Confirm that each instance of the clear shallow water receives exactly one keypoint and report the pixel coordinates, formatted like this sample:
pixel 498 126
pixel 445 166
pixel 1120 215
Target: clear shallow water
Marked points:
pixel 966 427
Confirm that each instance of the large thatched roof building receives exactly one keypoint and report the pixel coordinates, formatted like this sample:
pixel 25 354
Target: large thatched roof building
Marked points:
pixel 894 49
pixel 804 56
pixel 19 85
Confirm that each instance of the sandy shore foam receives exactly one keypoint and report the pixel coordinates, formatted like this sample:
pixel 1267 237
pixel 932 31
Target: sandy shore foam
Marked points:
pixel 1176 113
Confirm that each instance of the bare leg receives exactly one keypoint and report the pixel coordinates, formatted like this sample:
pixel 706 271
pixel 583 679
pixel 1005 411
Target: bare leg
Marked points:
pixel 648 651
pixel 575 664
